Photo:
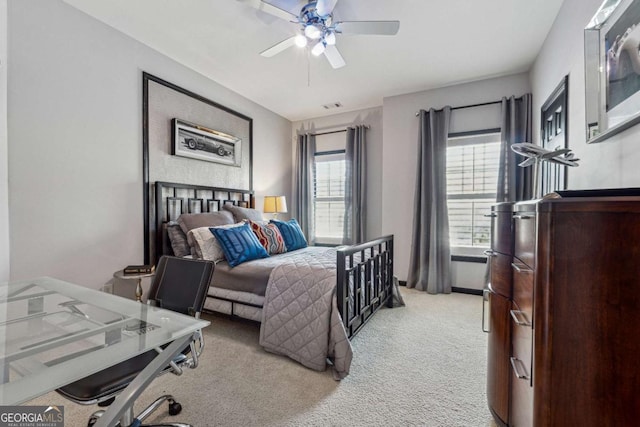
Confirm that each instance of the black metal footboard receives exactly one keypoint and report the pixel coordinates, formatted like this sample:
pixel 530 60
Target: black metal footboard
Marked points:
pixel 364 281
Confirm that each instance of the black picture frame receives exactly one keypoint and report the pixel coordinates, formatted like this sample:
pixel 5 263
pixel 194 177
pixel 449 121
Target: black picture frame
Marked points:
pixel 148 78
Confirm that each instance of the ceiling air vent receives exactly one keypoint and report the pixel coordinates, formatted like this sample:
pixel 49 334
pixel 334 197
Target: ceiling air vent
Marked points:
pixel 332 105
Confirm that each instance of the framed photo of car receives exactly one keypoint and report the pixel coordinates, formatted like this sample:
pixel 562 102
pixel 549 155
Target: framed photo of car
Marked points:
pixel 202 143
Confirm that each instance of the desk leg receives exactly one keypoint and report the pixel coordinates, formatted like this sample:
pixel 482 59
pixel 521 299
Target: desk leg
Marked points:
pixel 122 405
pixel 139 291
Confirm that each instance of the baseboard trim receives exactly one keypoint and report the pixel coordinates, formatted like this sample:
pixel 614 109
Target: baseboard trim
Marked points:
pixel 453 289
pixel 466 291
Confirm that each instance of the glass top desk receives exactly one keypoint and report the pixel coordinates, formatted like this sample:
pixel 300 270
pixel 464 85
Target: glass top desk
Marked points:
pixel 53 333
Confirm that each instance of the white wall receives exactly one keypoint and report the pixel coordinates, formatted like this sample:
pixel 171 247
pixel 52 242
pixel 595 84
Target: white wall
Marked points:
pixel 75 156
pixel 400 136
pixel 373 118
pixel 4 162
pixel 612 163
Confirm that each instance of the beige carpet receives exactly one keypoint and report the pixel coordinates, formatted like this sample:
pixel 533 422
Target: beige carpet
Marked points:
pixel 419 365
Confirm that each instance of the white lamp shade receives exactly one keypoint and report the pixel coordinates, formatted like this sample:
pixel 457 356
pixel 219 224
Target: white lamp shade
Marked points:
pixel 330 39
pixel 318 49
pixel 275 204
pixel 312 32
pixel 300 40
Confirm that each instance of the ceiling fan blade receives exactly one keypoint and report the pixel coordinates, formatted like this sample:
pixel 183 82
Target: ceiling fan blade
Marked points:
pixel 279 47
pixel 325 7
pixel 333 56
pixel 383 28
pixel 271 9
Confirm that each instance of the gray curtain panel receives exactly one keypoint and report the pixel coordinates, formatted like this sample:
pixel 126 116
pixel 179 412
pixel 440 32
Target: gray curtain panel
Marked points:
pixel 515 183
pixel 430 261
pixel 355 186
pixel 303 184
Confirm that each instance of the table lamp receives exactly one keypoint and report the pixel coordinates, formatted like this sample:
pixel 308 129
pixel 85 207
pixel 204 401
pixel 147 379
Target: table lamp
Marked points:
pixel 275 205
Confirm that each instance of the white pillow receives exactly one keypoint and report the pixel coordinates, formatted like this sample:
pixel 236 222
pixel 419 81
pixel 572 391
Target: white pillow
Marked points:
pixel 204 243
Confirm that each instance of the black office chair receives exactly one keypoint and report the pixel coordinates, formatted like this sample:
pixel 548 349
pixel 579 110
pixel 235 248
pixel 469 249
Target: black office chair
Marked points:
pixel 179 285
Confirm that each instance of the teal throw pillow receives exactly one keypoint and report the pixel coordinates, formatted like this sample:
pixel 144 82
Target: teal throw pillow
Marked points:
pixel 239 244
pixel 291 233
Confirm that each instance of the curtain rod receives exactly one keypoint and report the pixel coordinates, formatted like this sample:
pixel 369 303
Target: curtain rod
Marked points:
pixel 336 131
pixel 482 104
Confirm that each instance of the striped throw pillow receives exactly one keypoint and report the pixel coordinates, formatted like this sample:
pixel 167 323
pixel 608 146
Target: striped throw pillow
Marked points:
pixel 269 236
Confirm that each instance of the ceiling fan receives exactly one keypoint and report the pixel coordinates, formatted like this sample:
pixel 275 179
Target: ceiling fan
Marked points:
pixel 318 27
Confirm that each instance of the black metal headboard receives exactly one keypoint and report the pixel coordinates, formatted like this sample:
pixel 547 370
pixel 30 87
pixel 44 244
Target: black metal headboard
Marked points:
pixel 172 199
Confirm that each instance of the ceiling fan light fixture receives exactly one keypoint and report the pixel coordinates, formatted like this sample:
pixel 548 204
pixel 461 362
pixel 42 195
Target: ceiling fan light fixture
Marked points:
pixel 313 32
pixel 330 38
pixel 318 49
pixel 300 40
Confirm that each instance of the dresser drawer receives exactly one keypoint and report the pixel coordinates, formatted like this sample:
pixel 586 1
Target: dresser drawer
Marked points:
pixel 501 232
pixel 523 288
pixel 521 410
pixel 524 225
pixel 500 273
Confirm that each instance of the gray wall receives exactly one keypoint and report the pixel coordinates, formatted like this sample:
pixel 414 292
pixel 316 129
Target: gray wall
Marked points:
pixel 612 163
pixel 4 184
pixel 75 156
pixel 373 118
pixel 400 136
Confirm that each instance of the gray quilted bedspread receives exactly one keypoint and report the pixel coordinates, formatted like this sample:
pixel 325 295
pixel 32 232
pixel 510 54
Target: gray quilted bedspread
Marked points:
pixel 300 318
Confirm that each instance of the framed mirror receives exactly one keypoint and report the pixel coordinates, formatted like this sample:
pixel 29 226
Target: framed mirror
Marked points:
pixel 612 69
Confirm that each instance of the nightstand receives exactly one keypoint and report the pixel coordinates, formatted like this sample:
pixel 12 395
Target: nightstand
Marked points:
pixel 137 277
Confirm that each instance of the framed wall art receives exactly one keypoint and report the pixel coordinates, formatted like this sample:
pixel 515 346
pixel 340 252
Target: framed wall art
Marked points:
pixel 200 142
pixel 612 69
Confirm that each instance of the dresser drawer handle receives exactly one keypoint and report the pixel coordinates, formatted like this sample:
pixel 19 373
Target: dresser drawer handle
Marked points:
pixel 490 253
pixel 521 216
pixel 520 318
pixel 485 310
pixel 515 362
pixel 521 269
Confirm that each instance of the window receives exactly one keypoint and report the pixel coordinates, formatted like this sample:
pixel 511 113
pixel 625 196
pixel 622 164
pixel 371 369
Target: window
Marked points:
pixel 328 196
pixel 472 180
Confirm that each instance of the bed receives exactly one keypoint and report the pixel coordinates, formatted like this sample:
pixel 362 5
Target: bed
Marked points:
pixel 362 275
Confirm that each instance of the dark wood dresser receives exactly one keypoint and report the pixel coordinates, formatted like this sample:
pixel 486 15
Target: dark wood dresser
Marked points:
pixel 564 317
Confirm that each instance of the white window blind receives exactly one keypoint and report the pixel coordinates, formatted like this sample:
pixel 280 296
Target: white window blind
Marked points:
pixel 329 181
pixel 472 179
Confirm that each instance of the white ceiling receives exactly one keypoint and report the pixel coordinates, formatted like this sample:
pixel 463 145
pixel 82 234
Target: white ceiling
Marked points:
pixel 440 43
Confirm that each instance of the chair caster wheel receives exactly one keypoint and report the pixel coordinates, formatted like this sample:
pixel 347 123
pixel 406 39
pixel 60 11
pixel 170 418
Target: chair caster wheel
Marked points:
pixel 174 408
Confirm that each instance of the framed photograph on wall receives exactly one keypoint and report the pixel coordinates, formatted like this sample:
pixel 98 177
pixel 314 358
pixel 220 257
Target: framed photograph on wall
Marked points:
pixel 200 142
pixel 612 69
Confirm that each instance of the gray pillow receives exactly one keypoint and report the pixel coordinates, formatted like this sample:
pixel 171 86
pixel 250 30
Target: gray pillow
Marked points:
pixel 241 214
pixel 178 240
pixel 208 219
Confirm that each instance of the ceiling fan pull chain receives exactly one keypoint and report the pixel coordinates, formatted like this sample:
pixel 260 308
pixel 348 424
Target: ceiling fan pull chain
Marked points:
pixel 308 69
